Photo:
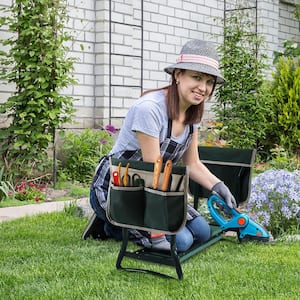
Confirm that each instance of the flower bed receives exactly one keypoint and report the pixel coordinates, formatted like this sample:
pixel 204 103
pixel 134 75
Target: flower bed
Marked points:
pixel 275 201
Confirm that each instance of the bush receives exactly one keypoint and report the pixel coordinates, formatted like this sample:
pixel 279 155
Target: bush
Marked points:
pixel 239 103
pixel 82 151
pixel 283 124
pixel 275 201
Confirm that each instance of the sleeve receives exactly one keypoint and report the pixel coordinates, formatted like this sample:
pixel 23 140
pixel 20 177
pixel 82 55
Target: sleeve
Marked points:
pixel 147 118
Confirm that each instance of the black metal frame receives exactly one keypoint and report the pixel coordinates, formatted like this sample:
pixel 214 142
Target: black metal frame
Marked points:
pixel 239 162
pixel 168 258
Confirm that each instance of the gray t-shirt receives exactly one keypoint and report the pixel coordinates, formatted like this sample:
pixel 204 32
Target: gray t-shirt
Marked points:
pixel 148 115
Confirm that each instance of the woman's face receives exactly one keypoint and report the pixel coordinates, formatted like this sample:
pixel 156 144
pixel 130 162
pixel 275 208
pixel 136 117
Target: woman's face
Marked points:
pixel 194 87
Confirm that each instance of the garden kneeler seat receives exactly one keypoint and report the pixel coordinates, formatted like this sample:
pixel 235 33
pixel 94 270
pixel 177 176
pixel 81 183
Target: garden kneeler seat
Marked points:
pixel 233 166
pixel 139 206
pixel 143 208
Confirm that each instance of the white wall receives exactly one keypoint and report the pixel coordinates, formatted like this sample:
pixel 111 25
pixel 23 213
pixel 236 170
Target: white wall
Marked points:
pixel 167 25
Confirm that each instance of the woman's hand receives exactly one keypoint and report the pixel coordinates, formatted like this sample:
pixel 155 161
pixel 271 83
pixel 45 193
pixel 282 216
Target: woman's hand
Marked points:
pixel 223 191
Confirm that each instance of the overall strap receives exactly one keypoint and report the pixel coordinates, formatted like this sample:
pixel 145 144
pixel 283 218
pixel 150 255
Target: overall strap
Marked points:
pixel 169 131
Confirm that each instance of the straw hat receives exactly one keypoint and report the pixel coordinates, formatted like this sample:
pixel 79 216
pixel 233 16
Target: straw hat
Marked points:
pixel 200 56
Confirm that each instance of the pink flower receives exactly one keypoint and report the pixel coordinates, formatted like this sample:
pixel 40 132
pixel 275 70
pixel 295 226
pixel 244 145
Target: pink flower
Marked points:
pixel 103 141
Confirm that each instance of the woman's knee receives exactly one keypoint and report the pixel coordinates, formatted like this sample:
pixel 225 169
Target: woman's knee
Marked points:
pixel 184 240
pixel 199 228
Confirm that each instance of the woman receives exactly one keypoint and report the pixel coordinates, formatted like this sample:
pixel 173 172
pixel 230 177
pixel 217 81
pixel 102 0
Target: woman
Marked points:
pixel 165 121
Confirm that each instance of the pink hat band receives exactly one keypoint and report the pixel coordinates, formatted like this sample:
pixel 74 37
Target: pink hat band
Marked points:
pixel 200 59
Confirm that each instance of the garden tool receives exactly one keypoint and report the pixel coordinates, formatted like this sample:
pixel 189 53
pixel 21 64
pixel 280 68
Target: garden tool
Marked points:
pixel 156 171
pixel 167 176
pixel 231 219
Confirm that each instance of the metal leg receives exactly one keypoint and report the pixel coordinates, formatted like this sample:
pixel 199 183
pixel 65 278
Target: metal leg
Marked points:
pixel 123 247
pixel 175 257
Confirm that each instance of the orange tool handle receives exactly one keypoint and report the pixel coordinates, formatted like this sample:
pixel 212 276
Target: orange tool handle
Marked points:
pixel 126 176
pixel 167 175
pixel 156 172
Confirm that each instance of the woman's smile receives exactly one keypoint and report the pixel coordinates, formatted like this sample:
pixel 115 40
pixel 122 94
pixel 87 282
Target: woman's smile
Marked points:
pixel 194 87
pixel 198 96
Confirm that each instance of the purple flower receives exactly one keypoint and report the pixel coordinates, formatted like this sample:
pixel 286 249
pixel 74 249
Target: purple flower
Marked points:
pixel 275 199
pixel 110 129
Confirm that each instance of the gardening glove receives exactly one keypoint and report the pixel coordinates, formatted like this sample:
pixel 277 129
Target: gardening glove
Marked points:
pixel 223 191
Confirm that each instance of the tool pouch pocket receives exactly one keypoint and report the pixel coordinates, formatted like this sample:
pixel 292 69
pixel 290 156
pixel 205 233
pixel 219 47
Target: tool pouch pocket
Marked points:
pixel 144 208
pixel 164 211
pixel 127 205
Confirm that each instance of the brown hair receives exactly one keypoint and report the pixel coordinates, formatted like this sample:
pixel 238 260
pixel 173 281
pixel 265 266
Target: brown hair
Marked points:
pixel 194 113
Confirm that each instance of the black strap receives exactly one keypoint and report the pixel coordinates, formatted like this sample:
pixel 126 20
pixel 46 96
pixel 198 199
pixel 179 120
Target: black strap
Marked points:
pixel 169 132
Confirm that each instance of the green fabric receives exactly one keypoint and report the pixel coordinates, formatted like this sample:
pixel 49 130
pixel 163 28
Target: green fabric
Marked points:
pixel 146 208
pixel 127 205
pixel 164 211
pixel 233 166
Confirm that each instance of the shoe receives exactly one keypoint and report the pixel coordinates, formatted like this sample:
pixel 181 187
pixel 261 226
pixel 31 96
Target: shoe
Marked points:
pixel 160 243
pixel 95 229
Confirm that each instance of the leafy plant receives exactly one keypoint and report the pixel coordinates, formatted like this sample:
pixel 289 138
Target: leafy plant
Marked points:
pixel 5 186
pixel 275 200
pixel 211 134
pixel 283 124
pixel 290 49
pixel 239 103
pixel 281 159
pixel 36 63
pixel 81 151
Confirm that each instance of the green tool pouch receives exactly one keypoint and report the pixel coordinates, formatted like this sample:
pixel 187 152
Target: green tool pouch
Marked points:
pixel 142 207
pixel 164 210
pixel 127 206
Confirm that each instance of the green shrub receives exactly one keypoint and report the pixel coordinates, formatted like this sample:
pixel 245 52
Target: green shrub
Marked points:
pixel 283 125
pixel 81 152
pixel 281 159
pixel 239 104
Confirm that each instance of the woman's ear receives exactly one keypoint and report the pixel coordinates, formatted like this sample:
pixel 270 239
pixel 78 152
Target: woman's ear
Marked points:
pixel 176 74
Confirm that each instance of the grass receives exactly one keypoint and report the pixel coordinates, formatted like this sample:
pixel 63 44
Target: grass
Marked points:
pixel 10 202
pixel 43 257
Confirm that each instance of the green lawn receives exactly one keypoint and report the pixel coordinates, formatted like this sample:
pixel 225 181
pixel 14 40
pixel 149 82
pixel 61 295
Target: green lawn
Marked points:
pixel 43 257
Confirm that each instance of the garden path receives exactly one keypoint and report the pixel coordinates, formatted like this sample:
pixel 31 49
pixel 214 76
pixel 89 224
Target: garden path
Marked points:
pixel 9 213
